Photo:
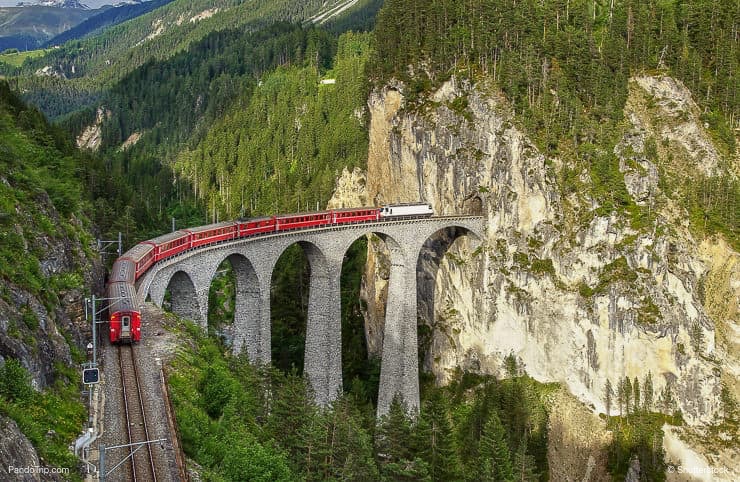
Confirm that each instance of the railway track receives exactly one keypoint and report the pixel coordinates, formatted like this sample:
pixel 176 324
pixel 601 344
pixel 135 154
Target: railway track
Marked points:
pixel 142 465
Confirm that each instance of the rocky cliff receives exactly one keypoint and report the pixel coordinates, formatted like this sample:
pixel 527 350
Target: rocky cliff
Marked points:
pixel 45 331
pixel 579 295
pixel 42 329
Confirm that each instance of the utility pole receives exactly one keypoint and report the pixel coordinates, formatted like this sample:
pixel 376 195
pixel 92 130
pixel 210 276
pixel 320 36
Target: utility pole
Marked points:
pixel 103 245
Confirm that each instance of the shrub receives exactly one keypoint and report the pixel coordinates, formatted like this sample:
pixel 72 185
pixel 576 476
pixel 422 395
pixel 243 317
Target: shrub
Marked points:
pixel 15 382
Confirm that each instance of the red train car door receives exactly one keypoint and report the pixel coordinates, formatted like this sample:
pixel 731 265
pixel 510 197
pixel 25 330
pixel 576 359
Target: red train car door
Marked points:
pixel 125 327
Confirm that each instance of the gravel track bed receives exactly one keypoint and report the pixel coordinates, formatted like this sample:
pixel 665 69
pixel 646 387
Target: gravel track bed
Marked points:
pixel 157 346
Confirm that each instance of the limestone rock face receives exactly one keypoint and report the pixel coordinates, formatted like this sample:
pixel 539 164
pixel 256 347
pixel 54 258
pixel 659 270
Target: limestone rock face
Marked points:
pixel 680 119
pixel 578 300
pixel 350 190
pixel 34 330
pixel 16 451
pixel 91 137
pixel 577 441
pixel 693 462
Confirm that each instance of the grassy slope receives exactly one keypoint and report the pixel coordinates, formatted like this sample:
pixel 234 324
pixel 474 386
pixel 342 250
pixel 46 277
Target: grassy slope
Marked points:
pixel 105 19
pixel 16 59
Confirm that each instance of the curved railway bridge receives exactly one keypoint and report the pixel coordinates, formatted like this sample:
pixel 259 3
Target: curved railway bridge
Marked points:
pixel 188 277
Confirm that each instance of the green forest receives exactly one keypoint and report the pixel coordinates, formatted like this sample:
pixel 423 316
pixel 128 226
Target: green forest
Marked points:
pixel 40 171
pixel 241 422
pixel 280 149
pixel 475 426
pixel 85 69
pixel 565 65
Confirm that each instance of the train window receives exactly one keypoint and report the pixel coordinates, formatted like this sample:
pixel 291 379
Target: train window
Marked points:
pixel 125 320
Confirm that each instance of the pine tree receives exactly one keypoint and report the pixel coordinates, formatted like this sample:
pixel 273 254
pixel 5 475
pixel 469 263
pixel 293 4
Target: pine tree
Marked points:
pixel 524 467
pixel 627 395
pixel 620 396
pixel 636 395
pixel 291 411
pixel 394 443
pixel 350 449
pixel 494 458
pixel 667 402
pixel 434 440
pixel 608 394
pixel 647 397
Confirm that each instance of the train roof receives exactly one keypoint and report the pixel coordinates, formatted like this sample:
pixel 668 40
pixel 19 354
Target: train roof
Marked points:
pixel 260 218
pixel 123 270
pixel 122 297
pixel 363 208
pixel 311 213
pixel 168 237
pixel 208 227
pixel 138 251
pixel 420 203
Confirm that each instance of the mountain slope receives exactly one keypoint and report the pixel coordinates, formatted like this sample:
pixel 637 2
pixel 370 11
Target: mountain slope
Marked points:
pixel 600 148
pixel 67 79
pixel 26 28
pixel 47 266
pixel 168 30
pixel 106 18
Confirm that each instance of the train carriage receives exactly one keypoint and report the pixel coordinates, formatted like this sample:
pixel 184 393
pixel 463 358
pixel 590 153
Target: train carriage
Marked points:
pixel 355 215
pixel 140 257
pixel 212 233
pixel 287 222
pixel 250 227
pixel 170 244
pixel 123 313
pixel 123 271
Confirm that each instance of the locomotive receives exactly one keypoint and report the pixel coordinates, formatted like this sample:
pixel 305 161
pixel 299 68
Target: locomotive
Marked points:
pixel 124 315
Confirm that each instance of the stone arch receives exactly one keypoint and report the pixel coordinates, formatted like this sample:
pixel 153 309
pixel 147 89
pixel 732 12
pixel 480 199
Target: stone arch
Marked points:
pixel 322 354
pixel 399 364
pixel 184 297
pixel 247 304
pixel 189 284
pixel 429 258
pixel 394 261
pixel 399 369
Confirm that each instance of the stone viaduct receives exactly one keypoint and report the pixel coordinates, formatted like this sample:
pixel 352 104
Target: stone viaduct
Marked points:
pixel 188 277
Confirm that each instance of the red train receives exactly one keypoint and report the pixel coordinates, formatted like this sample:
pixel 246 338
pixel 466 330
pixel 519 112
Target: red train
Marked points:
pixel 125 318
